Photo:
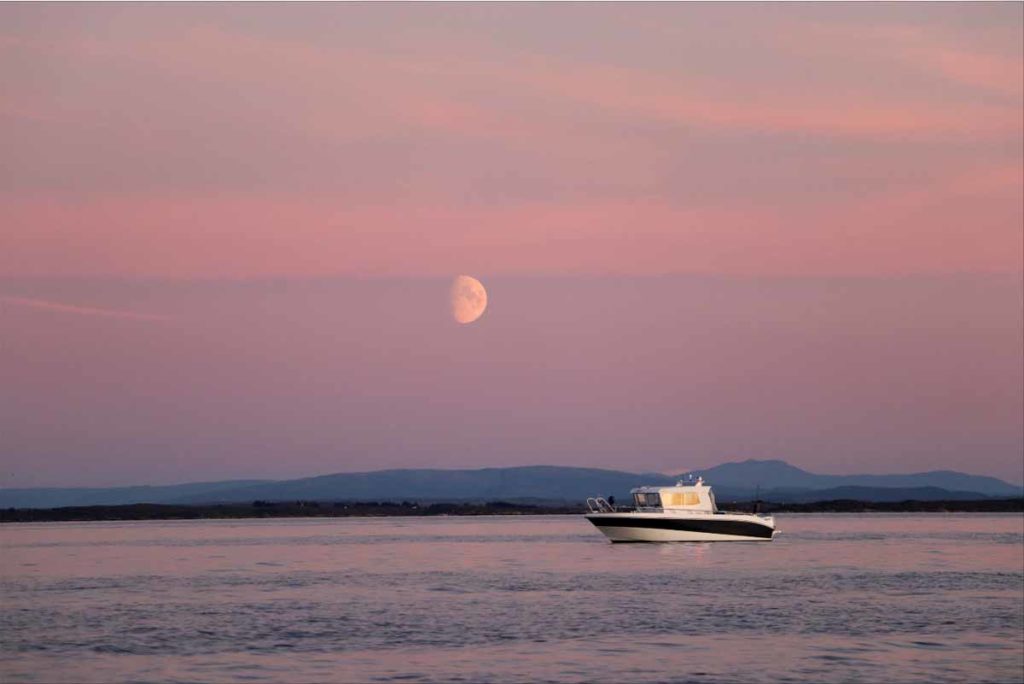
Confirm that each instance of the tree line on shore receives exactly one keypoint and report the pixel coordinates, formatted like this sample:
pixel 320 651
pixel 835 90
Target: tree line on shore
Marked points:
pixel 342 509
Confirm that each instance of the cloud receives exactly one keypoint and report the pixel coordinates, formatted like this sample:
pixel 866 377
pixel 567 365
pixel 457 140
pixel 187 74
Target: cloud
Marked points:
pixel 80 310
pixel 214 142
pixel 993 68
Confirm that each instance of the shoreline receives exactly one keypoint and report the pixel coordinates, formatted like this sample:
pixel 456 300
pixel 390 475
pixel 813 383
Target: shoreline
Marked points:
pixel 318 509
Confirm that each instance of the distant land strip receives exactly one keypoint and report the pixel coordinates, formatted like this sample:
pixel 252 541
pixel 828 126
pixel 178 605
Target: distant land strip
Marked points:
pixel 373 509
pixel 768 480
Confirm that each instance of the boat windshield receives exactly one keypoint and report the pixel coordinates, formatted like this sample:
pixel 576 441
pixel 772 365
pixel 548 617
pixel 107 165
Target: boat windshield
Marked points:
pixel 647 500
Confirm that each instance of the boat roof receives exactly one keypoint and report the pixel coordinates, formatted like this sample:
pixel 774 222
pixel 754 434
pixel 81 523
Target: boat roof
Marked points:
pixel 654 489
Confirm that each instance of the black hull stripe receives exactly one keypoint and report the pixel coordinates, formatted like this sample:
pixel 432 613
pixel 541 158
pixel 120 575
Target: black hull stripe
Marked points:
pixel 736 528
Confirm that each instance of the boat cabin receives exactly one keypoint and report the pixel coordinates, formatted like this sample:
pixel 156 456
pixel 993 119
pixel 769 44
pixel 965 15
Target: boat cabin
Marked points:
pixel 692 498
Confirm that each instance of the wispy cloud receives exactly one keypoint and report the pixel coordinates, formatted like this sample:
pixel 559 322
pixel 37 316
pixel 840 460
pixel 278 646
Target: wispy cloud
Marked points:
pixel 80 310
pixel 665 138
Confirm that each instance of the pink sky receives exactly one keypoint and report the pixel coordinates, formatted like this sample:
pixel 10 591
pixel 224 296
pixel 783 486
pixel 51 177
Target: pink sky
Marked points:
pixel 150 148
pixel 254 140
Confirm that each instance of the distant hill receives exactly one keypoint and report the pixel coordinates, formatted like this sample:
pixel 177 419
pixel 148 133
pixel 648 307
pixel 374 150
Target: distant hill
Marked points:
pixel 767 475
pixel 50 497
pixel 537 483
pixel 772 480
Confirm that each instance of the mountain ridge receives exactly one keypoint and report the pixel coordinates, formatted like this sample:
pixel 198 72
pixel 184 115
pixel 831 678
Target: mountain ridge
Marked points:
pixel 770 479
pixel 775 473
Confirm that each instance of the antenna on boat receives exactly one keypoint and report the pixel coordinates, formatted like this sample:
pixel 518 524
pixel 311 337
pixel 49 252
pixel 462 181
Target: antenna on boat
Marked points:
pixel 757 499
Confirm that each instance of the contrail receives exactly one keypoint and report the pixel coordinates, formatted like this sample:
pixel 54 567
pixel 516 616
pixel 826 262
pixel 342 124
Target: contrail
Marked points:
pixel 80 310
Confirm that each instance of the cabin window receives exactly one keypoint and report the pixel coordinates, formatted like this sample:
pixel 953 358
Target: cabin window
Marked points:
pixel 647 499
pixel 682 499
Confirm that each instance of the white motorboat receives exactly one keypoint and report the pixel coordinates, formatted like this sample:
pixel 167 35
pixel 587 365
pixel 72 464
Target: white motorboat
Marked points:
pixel 686 512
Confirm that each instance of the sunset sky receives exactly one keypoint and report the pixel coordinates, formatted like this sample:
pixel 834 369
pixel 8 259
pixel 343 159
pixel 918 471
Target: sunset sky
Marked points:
pixel 707 232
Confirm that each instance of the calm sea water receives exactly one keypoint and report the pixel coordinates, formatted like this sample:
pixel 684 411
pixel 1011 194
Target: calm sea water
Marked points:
pixel 835 598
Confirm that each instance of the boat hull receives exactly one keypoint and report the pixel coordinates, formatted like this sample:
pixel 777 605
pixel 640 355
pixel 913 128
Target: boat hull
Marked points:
pixel 626 527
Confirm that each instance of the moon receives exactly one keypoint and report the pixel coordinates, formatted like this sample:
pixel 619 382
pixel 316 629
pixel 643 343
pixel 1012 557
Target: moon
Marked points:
pixel 468 298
